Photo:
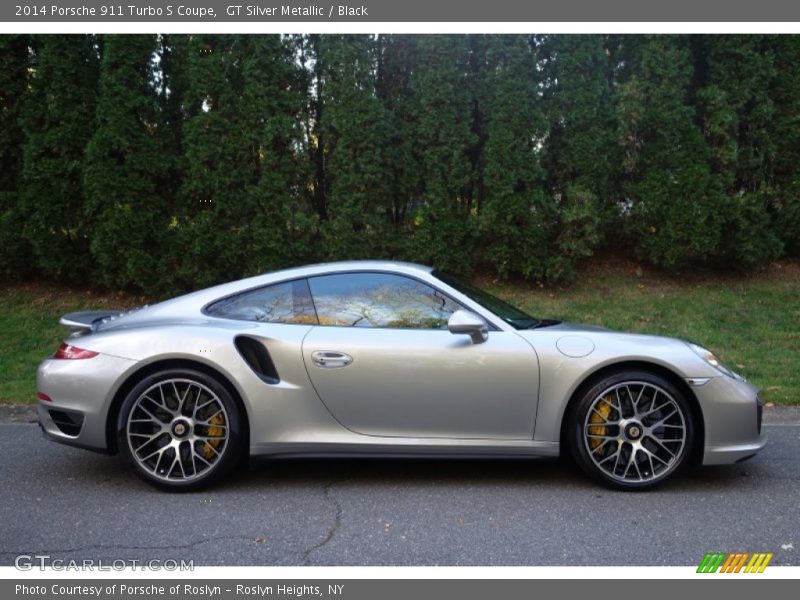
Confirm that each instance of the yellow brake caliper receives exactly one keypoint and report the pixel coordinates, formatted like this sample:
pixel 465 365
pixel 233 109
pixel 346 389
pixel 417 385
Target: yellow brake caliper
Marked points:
pixel 211 445
pixel 599 415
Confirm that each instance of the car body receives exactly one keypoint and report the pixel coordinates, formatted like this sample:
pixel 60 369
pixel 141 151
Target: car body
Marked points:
pixel 383 358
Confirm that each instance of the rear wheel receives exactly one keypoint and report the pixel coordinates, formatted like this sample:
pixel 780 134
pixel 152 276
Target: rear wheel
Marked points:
pixel 632 430
pixel 180 429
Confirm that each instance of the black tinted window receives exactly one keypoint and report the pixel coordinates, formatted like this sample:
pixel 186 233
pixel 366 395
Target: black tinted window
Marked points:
pixel 280 303
pixel 379 300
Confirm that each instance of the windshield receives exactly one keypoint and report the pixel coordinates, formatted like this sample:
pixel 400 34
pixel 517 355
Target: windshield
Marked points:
pixel 510 314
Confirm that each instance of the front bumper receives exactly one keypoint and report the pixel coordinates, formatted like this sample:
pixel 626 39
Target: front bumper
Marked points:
pixel 82 392
pixel 732 418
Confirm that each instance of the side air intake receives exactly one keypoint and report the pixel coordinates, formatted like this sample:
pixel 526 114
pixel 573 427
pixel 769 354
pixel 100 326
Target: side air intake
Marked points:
pixel 257 357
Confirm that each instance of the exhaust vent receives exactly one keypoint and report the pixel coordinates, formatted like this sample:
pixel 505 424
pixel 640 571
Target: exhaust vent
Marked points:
pixel 68 422
pixel 257 357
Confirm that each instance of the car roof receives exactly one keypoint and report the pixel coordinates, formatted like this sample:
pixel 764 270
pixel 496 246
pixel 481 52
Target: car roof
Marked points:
pixel 195 300
pixel 351 265
pixel 190 306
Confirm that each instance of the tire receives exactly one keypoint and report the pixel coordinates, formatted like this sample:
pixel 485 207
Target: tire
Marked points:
pixel 632 430
pixel 180 429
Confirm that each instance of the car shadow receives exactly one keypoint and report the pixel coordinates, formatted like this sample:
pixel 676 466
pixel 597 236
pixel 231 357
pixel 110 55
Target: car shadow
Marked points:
pixel 258 474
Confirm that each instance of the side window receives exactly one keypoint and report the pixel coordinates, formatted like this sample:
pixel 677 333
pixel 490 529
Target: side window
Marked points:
pixel 288 302
pixel 379 300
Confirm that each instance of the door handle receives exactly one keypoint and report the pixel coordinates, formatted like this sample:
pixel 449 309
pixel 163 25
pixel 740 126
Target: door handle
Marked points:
pixel 331 359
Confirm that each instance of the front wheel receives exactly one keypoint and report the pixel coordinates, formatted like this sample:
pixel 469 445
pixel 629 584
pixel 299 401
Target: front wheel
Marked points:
pixel 181 429
pixel 632 430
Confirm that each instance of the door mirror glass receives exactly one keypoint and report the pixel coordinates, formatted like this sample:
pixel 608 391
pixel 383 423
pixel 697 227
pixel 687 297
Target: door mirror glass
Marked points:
pixel 468 323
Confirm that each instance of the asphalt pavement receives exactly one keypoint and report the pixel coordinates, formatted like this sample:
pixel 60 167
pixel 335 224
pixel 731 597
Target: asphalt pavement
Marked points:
pixel 73 505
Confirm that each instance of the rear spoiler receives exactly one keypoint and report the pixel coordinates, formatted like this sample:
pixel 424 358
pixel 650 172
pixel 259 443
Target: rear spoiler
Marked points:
pixel 87 320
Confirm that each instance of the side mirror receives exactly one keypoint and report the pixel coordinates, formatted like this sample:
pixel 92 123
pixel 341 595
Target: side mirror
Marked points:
pixel 465 322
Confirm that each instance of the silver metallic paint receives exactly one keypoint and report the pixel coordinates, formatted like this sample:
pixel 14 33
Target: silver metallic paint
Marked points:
pixel 446 395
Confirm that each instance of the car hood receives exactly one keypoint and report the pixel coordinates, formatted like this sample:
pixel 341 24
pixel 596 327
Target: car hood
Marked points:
pixel 574 327
pixel 603 337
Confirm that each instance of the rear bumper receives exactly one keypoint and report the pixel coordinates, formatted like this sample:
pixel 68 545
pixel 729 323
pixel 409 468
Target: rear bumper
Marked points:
pixel 53 432
pixel 732 418
pixel 82 392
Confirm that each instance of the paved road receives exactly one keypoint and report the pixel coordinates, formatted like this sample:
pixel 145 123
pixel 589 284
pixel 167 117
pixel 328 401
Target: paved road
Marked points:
pixel 73 504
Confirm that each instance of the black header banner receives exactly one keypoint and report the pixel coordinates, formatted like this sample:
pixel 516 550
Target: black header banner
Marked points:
pixel 389 589
pixel 461 11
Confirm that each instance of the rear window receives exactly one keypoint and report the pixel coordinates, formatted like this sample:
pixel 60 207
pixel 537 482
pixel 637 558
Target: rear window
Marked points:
pixel 288 302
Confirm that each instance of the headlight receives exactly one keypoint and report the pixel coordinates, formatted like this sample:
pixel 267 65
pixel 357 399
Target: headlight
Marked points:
pixel 711 359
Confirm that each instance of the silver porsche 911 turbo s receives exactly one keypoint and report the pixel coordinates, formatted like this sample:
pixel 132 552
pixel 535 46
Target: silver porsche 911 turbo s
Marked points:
pixel 384 358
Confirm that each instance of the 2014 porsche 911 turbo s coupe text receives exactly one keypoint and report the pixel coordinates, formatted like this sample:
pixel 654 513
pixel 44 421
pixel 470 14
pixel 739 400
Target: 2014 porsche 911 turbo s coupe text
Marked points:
pixel 384 358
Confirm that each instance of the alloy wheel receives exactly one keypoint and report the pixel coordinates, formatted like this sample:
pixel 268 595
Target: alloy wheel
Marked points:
pixel 178 430
pixel 635 432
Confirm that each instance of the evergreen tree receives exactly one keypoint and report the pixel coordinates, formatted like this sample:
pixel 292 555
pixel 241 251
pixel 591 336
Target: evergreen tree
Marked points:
pixel 242 196
pixel 273 100
pixel 170 84
pixel 581 154
pixel 175 161
pixel 673 200
pixel 307 49
pixel 444 221
pixel 14 62
pixel 786 170
pixel 127 169
pixel 737 116
pixel 213 228
pixel 57 121
pixel 516 215
pixel 397 56
pixel 356 133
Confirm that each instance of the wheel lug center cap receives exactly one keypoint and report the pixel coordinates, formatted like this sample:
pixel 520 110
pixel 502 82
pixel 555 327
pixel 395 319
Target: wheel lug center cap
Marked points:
pixel 180 429
pixel 633 431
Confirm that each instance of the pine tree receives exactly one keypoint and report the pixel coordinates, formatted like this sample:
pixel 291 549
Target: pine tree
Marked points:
pixel 356 133
pixel 170 84
pixel 516 215
pixel 738 114
pixel 444 219
pixel 581 154
pixel 57 121
pixel 213 227
pixel 397 57
pixel 673 200
pixel 786 170
pixel 127 169
pixel 273 99
pixel 243 208
pixel 14 63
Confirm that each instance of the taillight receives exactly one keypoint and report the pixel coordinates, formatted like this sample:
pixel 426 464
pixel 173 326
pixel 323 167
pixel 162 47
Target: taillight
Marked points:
pixel 44 397
pixel 67 352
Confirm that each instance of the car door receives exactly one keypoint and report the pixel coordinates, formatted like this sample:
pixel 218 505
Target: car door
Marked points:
pixel 384 363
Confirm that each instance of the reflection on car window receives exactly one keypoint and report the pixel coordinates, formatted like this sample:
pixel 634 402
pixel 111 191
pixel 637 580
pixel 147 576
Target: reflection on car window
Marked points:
pixel 288 302
pixel 510 314
pixel 379 300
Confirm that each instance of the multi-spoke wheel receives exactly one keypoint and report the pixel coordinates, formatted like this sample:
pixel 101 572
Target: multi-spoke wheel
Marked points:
pixel 632 430
pixel 180 428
